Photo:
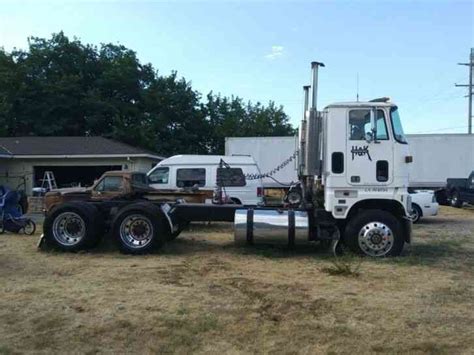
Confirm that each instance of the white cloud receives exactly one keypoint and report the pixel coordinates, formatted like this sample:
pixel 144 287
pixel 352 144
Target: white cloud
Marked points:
pixel 276 52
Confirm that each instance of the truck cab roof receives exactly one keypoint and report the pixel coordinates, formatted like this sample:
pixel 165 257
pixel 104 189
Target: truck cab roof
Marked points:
pixel 358 104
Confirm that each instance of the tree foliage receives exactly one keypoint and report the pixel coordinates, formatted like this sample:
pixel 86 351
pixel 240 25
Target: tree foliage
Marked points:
pixel 64 87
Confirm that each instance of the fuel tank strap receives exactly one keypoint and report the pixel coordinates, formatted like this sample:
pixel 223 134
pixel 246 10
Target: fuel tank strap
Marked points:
pixel 250 226
pixel 291 228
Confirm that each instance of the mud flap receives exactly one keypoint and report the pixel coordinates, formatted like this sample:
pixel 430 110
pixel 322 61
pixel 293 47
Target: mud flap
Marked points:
pixel 406 223
pixel 165 208
pixel 41 244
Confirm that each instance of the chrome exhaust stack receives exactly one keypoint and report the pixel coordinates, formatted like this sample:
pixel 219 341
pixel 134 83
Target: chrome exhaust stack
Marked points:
pixel 313 128
pixel 302 135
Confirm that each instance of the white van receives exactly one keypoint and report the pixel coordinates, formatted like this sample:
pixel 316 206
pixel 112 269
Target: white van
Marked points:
pixel 181 171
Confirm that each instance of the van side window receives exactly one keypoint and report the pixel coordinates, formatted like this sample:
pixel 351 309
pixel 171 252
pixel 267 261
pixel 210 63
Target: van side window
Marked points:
pixel 159 176
pixel 191 177
pixel 230 177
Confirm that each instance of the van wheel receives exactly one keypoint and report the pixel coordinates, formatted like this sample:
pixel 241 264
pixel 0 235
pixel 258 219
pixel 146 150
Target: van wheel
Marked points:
pixel 140 228
pixel 73 226
pixel 374 233
pixel 416 213
pixel 235 201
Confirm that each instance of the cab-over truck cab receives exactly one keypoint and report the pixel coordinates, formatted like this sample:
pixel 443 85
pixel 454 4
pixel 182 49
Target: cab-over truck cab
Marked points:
pixel 365 173
pixel 366 165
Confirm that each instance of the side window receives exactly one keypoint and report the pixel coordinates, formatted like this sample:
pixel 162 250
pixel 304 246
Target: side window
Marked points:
pixel 382 132
pixel 191 177
pixel 110 183
pixel 159 176
pixel 359 125
pixel 230 177
pixel 337 162
pixel 382 170
pixel 139 179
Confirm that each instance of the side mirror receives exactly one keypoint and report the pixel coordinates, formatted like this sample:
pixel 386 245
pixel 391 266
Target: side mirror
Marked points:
pixel 369 137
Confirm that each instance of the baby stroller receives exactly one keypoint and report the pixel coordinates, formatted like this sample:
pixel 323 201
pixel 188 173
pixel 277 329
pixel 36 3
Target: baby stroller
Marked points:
pixel 11 217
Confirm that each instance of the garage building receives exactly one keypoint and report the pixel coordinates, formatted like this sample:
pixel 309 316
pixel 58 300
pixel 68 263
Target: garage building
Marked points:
pixel 73 160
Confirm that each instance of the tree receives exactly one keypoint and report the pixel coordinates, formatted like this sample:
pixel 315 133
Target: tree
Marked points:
pixel 232 118
pixel 64 87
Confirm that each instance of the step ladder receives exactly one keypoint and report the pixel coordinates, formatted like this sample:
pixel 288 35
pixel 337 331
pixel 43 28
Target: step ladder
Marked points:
pixel 49 181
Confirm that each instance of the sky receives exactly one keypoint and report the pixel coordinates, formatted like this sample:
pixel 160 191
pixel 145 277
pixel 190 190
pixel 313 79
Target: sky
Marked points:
pixel 261 50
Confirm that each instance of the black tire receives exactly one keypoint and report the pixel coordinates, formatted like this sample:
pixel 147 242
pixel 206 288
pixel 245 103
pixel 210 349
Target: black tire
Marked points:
pixel 455 200
pixel 374 233
pixel 140 228
pixel 417 213
pixel 73 226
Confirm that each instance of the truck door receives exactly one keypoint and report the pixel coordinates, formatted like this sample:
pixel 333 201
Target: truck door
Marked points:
pixel 369 152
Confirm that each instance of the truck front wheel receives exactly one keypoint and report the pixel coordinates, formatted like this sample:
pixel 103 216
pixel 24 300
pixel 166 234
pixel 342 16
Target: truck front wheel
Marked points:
pixel 139 228
pixel 374 233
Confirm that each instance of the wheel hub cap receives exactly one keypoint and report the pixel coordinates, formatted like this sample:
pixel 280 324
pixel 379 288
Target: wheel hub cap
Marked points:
pixel 69 228
pixel 136 231
pixel 375 239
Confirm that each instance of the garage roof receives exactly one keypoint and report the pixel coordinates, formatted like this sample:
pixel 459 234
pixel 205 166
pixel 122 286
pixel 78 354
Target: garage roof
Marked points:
pixel 23 147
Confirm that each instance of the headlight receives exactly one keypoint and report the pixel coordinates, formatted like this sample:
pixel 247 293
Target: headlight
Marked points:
pixel 434 198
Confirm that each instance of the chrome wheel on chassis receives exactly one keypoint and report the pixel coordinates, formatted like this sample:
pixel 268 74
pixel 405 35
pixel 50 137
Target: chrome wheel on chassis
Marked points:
pixel 69 228
pixel 136 231
pixel 375 239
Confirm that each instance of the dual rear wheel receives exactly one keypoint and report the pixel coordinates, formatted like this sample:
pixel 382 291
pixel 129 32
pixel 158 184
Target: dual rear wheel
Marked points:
pixel 138 228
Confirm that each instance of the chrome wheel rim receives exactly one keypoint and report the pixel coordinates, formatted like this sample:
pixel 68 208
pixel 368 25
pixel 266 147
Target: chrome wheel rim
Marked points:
pixel 136 231
pixel 375 239
pixel 69 228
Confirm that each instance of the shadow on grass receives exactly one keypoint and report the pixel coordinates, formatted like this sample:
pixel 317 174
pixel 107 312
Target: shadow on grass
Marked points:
pixel 443 254
pixel 437 221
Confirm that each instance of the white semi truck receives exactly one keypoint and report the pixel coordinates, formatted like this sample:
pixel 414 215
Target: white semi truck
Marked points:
pixel 353 163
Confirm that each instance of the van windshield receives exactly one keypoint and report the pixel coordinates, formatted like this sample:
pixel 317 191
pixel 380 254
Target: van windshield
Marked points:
pixel 397 126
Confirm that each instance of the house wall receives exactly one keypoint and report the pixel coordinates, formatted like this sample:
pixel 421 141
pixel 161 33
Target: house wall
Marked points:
pixel 14 172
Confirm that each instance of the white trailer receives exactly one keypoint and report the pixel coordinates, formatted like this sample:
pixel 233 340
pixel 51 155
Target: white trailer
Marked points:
pixel 436 157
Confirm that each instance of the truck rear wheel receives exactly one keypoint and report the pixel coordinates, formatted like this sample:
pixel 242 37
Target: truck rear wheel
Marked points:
pixel 455 200
pixel 374 233
pixel 140 228
pixel 73 226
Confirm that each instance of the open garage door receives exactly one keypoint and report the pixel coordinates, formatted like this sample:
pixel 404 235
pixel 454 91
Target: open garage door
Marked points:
pixel 68 176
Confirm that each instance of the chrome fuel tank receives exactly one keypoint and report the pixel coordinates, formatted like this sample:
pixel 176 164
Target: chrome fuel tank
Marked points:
pixel 267 226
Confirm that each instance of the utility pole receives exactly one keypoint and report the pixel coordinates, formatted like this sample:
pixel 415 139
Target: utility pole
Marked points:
pixel 470 91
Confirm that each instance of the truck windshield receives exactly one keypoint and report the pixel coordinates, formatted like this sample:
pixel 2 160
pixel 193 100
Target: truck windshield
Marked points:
pixel 397 126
